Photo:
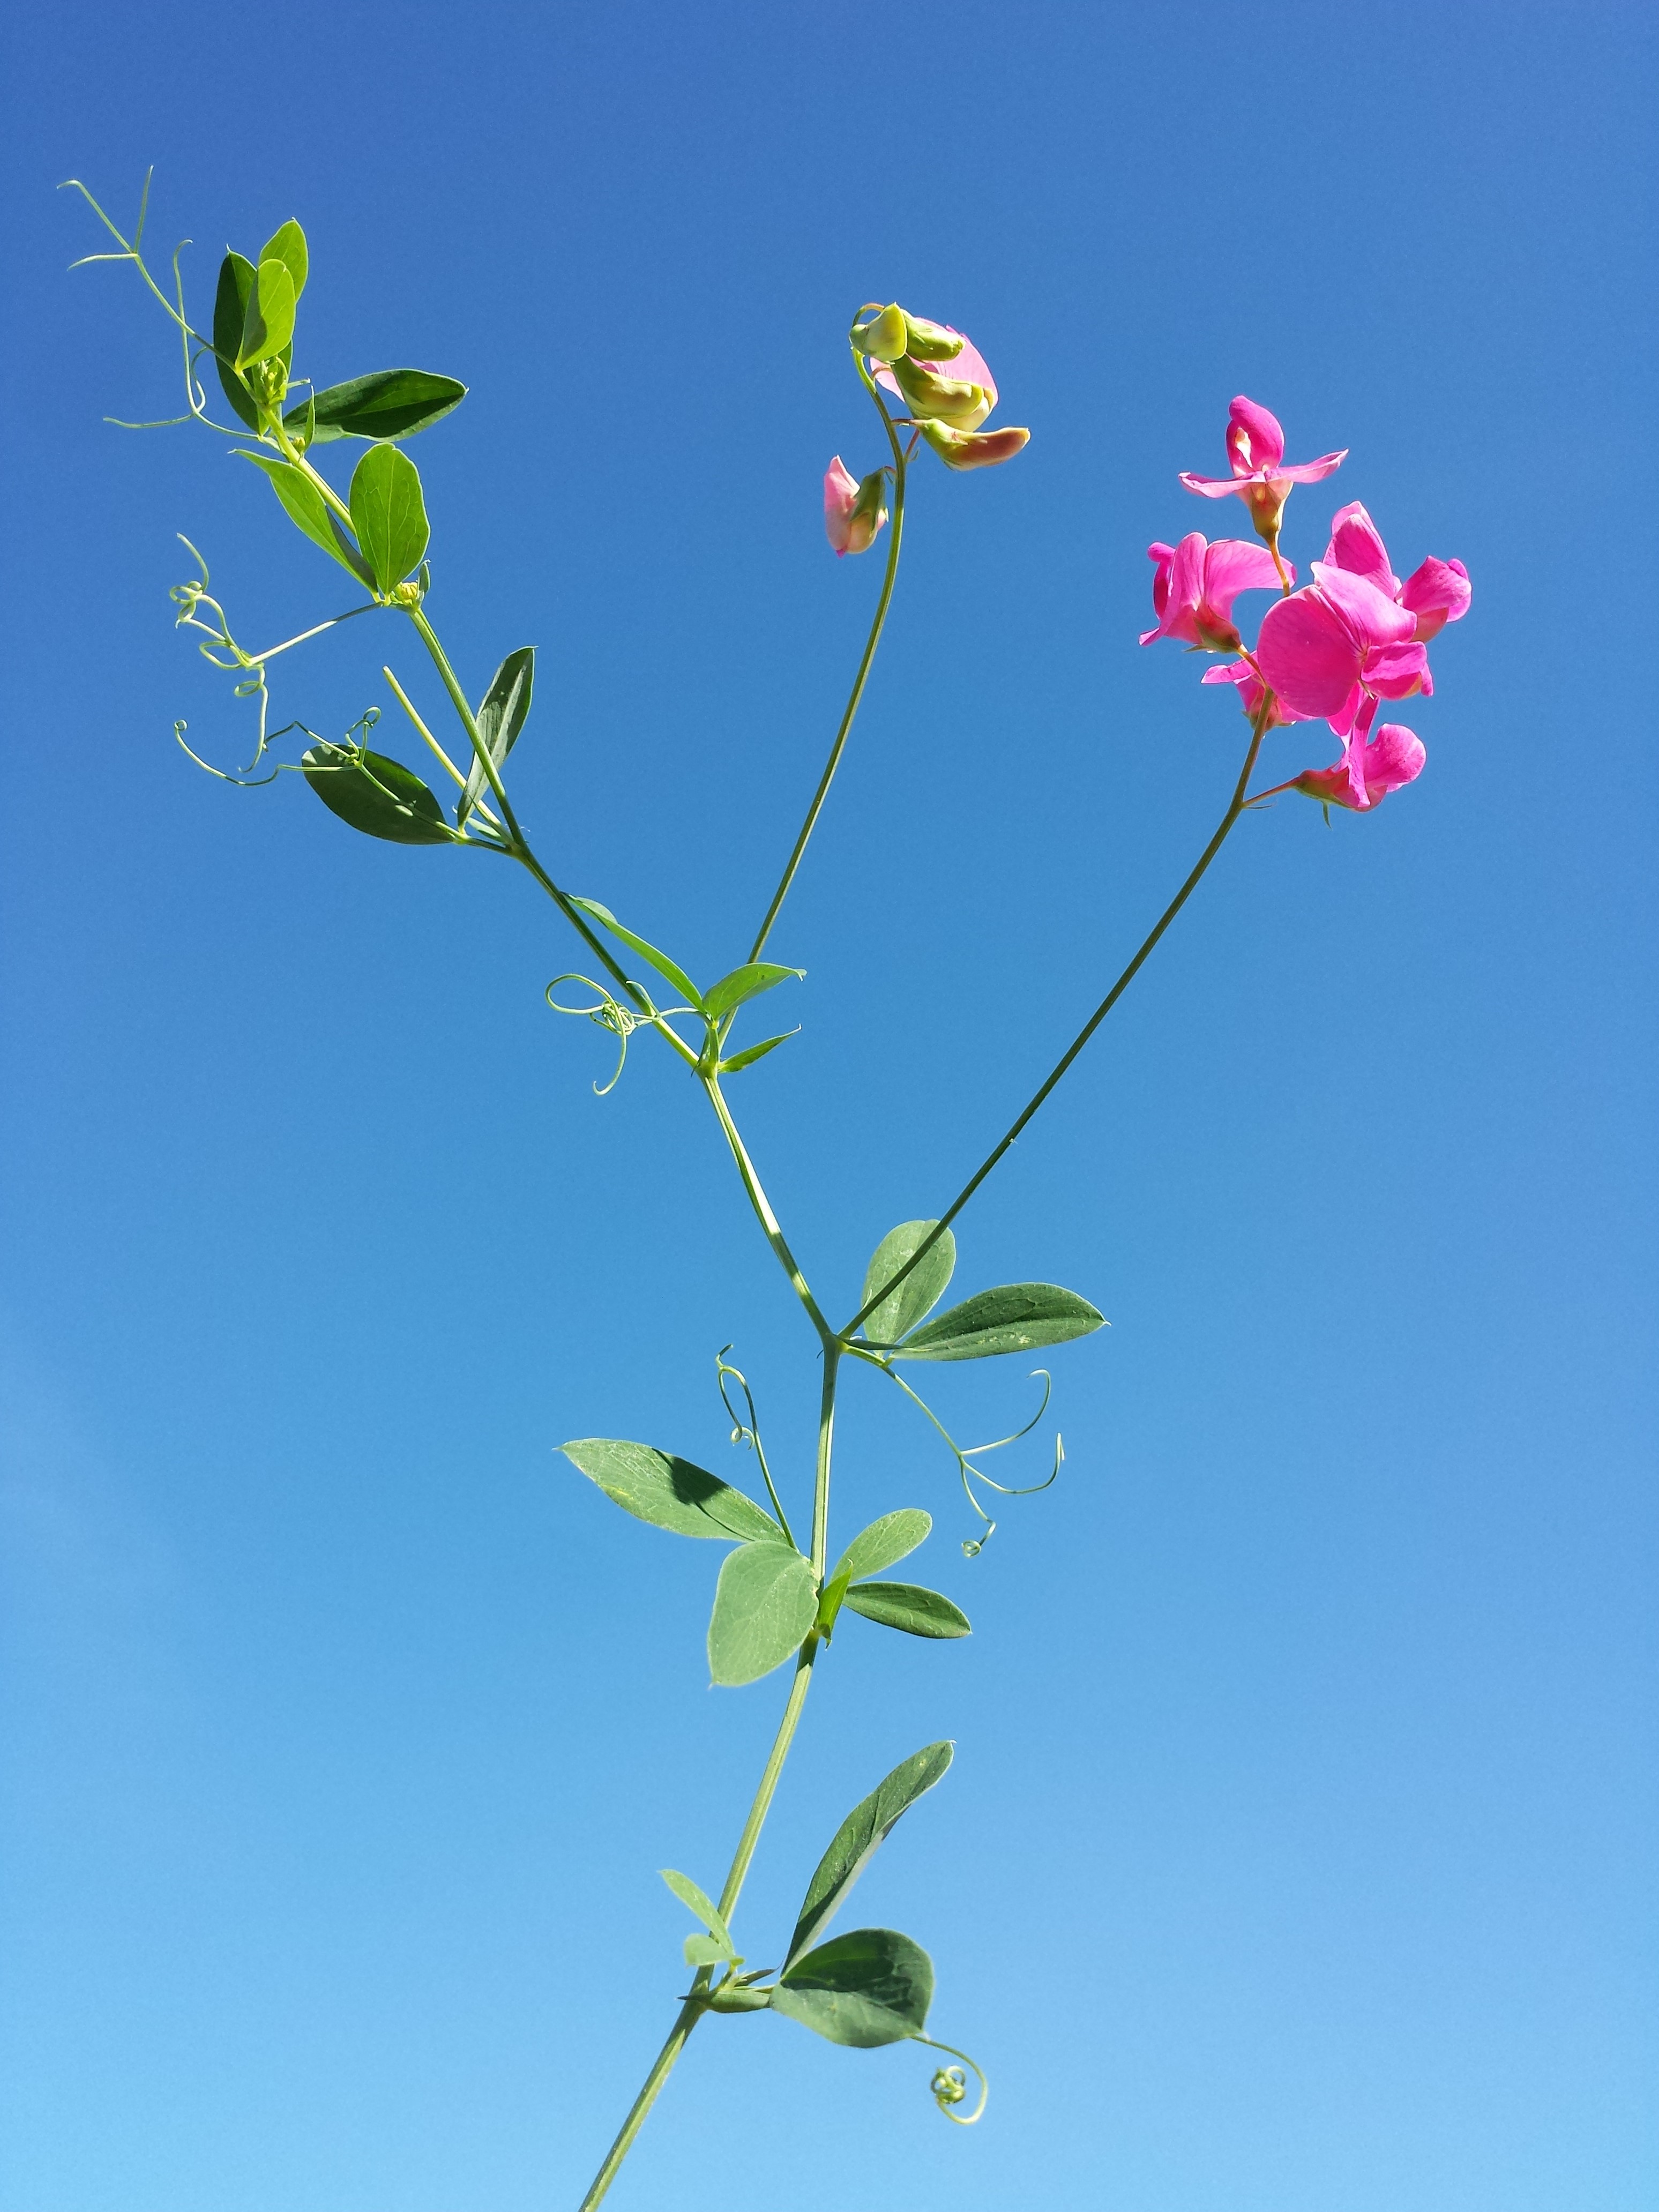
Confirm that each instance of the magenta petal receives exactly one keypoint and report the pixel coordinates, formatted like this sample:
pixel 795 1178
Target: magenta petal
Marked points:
pixel 1308 655
pixel 1374 614
pixel 1357 545
pixel 1396 671
pixel 1313 471
pixel 1233 565
pixel 1183 587
pixel 1210 486
pixel 1255 440
pixel 1437 593
pixel 1393 757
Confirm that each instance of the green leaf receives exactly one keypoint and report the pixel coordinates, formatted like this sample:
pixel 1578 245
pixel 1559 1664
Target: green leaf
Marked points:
pixel 379 796
pixel 705 1910
pixel 859 1837
pixel 765 1603
pixel 739 1060
pixel 305 508
pixel 1017 1317
pixel 288 246
pixel 388 402
pixel 389 515
pixel 709 1951
pixel 229 313
pixel 884 1543
pixel 871 1987
pixel 267 320
pixel 660 960
pixel 670 1493
pixel 743 983
pixel 903 1605
pixel 921 1289
pixel 501 718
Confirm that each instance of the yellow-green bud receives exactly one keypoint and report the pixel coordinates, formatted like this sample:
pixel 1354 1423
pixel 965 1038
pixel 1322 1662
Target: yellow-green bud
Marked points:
pixel 931 341
pixel 974 449
pixel 885 335
pixel 933 397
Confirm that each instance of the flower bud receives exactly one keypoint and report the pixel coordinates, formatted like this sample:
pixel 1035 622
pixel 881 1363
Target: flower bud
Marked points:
pixel 932 397
pixel 885 335
pixel 932 341
pixel 973 449
pixel 853 512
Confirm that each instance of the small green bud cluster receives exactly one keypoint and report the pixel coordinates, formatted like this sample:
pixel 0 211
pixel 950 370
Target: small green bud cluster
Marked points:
pixel 907 354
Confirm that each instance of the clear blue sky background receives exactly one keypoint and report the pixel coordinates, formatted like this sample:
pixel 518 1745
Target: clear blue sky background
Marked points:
pixel 1300 1852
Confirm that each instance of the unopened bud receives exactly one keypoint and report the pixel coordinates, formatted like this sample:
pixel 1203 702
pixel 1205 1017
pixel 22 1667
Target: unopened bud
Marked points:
pixel 932 397
pixel 853 511
pixel 885 335
pixel 932 341
pixel 974 449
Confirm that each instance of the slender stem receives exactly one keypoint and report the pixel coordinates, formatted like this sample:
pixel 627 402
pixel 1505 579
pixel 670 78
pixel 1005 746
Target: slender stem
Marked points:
pixel 691 2012
pixel 764 1213
pixel 738 1873
pixel 1222 830
pixel 897 529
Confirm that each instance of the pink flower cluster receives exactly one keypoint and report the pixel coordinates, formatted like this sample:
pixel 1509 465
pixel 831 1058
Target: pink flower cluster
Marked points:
pixel 1353 637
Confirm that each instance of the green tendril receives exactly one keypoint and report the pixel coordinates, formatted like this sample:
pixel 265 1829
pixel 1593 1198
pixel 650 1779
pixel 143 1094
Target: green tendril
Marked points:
pixel 949 2084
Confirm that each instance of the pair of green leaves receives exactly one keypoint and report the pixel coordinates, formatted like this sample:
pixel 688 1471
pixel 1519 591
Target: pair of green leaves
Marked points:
pixel 767 1602
pixel 388 514
pixel 904 1606
pixel 720 998
pixel 384 799
pixel 1015 1317
pixel 871 1987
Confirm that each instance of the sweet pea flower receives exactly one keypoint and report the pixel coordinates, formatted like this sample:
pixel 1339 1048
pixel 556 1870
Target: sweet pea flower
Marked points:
pixel 1336 647
pixel 1195 586
pixel 1368 770
pixel 974 449
pixel 1435 592
pixel 853 512
pixel 1255 446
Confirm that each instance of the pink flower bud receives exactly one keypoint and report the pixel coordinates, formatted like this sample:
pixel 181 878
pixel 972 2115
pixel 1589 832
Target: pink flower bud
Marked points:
pixel 973 449
pixel 853 512
pixel 1368 770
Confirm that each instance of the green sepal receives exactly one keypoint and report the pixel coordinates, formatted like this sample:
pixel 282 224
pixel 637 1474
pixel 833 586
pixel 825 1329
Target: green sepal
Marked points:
pixel 388 514
pixel 288 246
pixel 904 1605
pixel 703 1908
pixel 860 1835
pixel 669 969
pixel 307 510
pixel 381 797
pixel 765 1602
pixel 500 719
pixel 867 1988
pixel 670 1493
pixel 747 1059
pixel 731 1995
pixel 268 318
pixel 921 1289
pixel 1017 1317
pixel 387 404
pixel 743 984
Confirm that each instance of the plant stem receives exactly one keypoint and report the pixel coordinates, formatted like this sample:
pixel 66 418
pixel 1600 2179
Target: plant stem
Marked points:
pixel 896 527
pixel 1222 830
pixel 768 1219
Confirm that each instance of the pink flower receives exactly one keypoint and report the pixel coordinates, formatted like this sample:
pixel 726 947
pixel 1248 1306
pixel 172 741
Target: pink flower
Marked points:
pixel 1255 446
pixel 1253 693
pixel 1435 592
pixel 853 513
pixel 1368 770
pixel 1338 646
pixel 1196 584
pixel 974 449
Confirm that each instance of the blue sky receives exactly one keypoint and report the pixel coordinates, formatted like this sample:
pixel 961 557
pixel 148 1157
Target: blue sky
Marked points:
pixel 1298 1855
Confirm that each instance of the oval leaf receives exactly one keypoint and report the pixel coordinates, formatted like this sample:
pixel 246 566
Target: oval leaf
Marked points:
pixel 389 515
pixel 670 1493
pixel 704 1908
pixel 288 246
pixel 381 797
pixel 743 983
pixel 389 403
pixel 765 1603
pixel 303 505
pixel 904 1605
pixel 921 1289
pixel 741 1060
pixel 501 718
pixel 884 1543
pixel 267 320
pixel 229 313
pixel 1017 1317
pixel 859 1837
pixel 871 1987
